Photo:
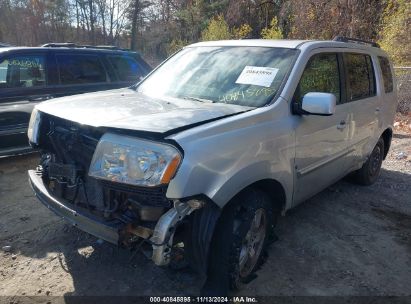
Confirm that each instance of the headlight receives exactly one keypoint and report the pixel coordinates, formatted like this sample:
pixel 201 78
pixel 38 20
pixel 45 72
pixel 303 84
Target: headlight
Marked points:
pixel 134 161
pixel 33 130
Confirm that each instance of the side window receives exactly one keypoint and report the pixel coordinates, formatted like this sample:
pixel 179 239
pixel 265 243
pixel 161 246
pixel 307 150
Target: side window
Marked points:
pixel 386 74
pixel 80 69
pixel 22 71
pixel 320 75
pixel 126 68
pixel 360 76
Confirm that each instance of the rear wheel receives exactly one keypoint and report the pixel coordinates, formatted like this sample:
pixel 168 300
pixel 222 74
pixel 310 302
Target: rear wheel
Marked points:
pixel 370 171
pixel 239 242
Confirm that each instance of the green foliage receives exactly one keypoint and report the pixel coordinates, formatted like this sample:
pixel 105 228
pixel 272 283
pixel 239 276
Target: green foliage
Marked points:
pixel 190 19
pixel 175 45
pixel 395 31
pixel 272 32
pixel 217 29
pixel 242 32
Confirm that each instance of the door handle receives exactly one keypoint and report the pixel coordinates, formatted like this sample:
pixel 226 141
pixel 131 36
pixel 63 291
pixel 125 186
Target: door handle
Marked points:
pixel 342 125
pixel 377 110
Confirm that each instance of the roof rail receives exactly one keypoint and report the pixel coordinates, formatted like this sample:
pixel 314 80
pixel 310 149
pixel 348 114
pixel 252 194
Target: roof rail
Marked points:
pixel 74 45
pixel 355 40
pixel 2 44
pixel 65 44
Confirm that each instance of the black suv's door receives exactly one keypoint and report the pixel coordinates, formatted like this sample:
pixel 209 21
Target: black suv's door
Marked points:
pixel 23 83
pixel 76 72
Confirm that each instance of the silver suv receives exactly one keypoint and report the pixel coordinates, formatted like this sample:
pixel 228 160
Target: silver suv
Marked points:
pixel 198 160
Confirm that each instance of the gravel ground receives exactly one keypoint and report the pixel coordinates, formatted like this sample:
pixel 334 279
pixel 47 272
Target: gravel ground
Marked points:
pixel 347 240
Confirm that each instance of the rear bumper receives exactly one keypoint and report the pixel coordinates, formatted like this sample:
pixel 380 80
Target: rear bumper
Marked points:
pixel 109 232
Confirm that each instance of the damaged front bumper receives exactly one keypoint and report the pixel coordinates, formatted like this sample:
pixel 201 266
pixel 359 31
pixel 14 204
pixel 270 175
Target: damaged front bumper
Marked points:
pixel 112 231
pixel 106 231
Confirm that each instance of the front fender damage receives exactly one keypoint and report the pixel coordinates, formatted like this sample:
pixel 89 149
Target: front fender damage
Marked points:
pixel 162 238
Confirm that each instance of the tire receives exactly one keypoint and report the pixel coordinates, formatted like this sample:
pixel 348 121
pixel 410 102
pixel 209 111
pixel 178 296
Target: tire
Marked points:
pixel 239 242
pixel 370 171
pixel 198 235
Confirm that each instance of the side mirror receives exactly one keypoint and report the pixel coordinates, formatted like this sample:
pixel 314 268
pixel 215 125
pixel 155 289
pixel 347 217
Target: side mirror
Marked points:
pixel 316 103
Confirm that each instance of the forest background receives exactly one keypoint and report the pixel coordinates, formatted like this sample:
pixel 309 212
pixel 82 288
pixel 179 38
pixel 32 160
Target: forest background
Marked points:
pixel 157 28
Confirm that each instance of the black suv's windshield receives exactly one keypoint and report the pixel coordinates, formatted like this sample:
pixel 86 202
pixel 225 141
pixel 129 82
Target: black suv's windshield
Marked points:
pixel 248 76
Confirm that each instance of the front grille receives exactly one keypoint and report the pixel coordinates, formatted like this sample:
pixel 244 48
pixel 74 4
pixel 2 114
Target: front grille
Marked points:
pixel 151 196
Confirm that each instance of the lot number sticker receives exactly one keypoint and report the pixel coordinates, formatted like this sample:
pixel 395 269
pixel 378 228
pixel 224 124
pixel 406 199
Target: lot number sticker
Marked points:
pixel 261 76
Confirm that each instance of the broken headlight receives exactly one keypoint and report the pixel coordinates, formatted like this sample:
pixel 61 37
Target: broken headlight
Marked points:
pixel 134 161
pixel 33 130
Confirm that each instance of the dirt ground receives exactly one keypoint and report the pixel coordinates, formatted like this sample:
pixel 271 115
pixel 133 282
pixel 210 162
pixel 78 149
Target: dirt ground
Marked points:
pixel 347 240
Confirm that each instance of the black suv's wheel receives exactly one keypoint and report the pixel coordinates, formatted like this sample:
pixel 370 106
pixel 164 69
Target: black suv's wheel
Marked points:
pixel 370 171
pixel 240 239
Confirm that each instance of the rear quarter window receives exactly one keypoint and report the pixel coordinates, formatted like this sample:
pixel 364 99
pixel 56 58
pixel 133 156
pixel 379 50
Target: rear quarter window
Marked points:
pixel 126 68
pixel 360 76
pixel 80 69
pixel 386 74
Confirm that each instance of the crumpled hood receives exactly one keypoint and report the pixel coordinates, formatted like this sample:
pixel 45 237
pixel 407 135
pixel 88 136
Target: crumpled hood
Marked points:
pixel 127 109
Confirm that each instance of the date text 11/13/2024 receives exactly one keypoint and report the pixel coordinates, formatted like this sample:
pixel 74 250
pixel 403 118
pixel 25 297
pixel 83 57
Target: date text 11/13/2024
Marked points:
pixel 203 300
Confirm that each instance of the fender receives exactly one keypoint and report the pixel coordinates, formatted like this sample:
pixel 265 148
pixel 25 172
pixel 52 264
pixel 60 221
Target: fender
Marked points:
pixel 225 156
pixel 250 175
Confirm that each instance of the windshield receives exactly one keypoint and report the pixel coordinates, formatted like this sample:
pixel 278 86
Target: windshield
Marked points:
pixel 248 76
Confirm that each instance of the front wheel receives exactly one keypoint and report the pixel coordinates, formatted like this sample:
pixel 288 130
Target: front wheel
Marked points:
pixel 370 171
pixel 239 241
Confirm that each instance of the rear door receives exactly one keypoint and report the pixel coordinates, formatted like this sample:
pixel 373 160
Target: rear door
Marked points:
pixel 23 82
pixel 77 73
pixel 364 102
pixel 323 143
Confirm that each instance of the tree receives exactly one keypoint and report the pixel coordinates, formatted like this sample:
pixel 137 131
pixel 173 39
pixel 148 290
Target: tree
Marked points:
pixel 242 32
pixel 395 31
pixel 159 27
pixel 137 7
pixel 325 19
pixel 175 45
pixel 272 32
pixel 217 29
pixel 92 19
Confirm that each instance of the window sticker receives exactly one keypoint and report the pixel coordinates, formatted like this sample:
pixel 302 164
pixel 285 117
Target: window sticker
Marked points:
pixel 26 63
pixel 260 76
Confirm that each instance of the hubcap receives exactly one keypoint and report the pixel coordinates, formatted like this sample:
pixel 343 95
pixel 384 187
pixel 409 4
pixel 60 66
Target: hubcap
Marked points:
pixel 253 242
pixel 375 161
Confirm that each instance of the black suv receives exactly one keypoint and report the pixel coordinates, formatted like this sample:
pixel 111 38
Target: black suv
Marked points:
pixel 29 75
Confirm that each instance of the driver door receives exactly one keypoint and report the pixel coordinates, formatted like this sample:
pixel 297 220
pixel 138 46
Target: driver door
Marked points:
pixel 322 142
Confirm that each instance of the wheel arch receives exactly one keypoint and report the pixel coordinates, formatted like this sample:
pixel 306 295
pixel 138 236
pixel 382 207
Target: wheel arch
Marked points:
pixel 204 221
pixel 273 188
pixel 387 136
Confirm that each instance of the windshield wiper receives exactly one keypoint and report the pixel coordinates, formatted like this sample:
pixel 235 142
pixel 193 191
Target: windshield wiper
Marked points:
pixel 198 99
